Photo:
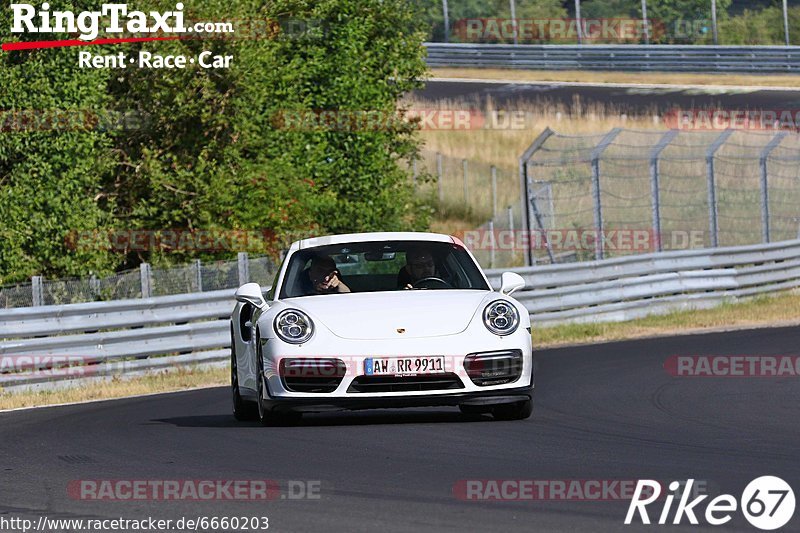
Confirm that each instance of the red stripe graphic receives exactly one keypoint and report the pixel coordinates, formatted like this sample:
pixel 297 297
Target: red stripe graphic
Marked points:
pixel 35 45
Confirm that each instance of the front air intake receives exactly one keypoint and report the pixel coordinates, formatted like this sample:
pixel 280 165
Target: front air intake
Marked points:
pixel 494 368
pixel 312 375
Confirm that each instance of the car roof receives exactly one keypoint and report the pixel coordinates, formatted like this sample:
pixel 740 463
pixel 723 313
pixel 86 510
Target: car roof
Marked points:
pixel 370 237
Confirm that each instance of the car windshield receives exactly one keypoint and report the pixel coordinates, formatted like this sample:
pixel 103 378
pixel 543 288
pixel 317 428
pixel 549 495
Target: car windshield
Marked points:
pixel 380 266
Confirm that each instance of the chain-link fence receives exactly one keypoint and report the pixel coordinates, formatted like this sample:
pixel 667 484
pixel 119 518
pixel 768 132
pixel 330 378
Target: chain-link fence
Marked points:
pixel 624 192
pixel 142 282
pixel 588 22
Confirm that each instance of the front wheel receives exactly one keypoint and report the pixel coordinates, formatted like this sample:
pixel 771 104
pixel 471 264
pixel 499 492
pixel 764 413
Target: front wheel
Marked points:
pixel 242 409
pixel 266 417
pixel 513 411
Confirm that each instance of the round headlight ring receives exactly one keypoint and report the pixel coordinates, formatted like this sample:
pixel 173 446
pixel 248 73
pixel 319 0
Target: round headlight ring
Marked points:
pixel 501 318
pixel 293 326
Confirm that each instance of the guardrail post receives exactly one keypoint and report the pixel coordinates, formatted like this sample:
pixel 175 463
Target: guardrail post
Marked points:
pixel 198 274
pixel 599 245
pixel 37 295
pixel 765 226
pixel 244 268
pixel 464 167
pixel 654 184
pixel 527 202
pixel 494 192
pixel 439 172
pixel 145 278
pixel 712 188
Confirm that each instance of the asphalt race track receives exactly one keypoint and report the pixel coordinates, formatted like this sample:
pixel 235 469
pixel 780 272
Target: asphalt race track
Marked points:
pixel 603 412
pixel 632 100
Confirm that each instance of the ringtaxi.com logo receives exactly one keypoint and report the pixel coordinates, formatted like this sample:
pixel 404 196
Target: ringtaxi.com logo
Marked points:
pixel 767 503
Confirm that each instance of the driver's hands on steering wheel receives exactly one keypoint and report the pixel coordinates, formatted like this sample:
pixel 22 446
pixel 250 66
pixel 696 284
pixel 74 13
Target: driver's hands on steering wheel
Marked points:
pixel 435 279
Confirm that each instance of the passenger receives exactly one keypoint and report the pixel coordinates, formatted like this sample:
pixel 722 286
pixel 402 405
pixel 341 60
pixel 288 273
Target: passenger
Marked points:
pixel 322 277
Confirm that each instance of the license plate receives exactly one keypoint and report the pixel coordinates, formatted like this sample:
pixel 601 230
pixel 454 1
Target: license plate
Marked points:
pixel 403 366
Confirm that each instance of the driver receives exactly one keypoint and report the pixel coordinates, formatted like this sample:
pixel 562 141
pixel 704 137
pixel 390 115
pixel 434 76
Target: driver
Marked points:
pixel 419 265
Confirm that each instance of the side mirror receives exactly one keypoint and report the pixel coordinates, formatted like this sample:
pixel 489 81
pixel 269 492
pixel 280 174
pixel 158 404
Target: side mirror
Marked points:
pixel 510 282
pixel 250 293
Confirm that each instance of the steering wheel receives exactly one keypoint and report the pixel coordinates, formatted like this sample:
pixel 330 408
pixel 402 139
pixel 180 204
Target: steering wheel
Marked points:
pixel 430 283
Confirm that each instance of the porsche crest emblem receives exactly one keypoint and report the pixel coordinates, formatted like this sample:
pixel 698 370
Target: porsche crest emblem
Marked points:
pixel 401 330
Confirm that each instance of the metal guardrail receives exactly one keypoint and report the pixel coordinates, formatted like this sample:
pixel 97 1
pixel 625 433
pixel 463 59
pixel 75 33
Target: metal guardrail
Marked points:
pixel 624 288
pixel 131 337
pixel 676 58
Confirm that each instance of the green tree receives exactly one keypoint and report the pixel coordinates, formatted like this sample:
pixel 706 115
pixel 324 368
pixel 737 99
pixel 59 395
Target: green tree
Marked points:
pixel 54 156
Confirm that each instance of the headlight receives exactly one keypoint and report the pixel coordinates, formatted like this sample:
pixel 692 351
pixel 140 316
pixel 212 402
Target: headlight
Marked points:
pixel 293 326
pixel 501 318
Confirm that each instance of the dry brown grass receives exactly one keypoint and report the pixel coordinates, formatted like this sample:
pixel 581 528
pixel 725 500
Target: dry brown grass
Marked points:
pixel 763 311
pixel 117 388
pixel 701 78
pixel 502 147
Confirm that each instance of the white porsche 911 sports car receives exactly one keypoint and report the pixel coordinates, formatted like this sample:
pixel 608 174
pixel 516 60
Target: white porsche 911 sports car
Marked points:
pixel 377 320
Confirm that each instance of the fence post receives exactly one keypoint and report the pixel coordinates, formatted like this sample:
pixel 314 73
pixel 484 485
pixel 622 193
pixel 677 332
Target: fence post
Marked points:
pixel 37 295
pixel 464 164
pixel 439 172
pixel 771 145
pixel 446 14
pixel 145 278
pixel 244 268
pixel 511 228
pixel 494 192
pixel 526 201
pixel 198 275
pixel 491 250
pixel 578 21
pixel 513 8
pixel 414 173
pixel 655 197
pixel 599 245
pixel 94 286
pixel 713 226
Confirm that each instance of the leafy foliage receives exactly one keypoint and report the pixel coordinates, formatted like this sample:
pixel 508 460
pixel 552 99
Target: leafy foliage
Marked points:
pixel 206 150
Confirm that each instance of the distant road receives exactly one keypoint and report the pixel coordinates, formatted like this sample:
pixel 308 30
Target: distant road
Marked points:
pixel 629 99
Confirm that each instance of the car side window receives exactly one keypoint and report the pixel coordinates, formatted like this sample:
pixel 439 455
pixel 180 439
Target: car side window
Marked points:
pixel 273 287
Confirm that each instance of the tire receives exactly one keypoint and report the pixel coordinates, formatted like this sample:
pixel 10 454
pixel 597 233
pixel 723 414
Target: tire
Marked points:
pixel 513 411
pixel 242 409
pixel 270 418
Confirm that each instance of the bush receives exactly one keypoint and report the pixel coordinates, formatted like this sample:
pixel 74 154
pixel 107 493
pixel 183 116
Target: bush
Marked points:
pixel 208 152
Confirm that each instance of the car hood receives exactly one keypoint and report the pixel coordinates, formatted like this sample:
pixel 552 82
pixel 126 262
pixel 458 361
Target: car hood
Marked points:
pixel 379 315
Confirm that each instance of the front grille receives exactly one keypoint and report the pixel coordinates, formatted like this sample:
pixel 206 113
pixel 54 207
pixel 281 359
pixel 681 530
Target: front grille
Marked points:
pixel 446 380
pixel 312 375
pixel 494 368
